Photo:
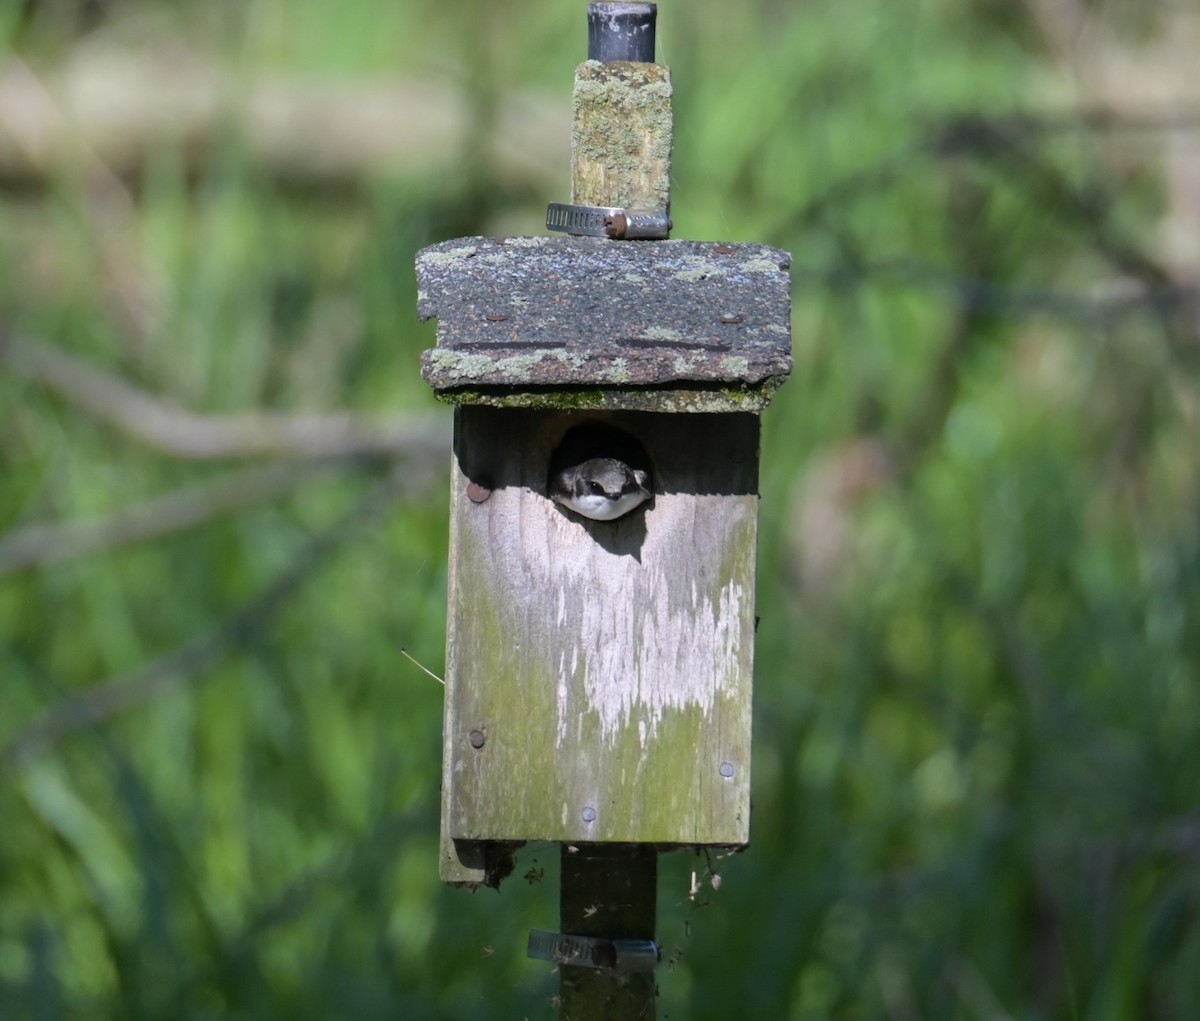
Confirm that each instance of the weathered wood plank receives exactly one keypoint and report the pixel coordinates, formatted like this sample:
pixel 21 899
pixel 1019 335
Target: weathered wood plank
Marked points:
pixel 622 134
pixel 599 673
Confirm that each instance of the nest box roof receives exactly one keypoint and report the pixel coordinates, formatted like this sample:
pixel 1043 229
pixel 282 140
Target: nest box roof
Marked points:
pixel 589 322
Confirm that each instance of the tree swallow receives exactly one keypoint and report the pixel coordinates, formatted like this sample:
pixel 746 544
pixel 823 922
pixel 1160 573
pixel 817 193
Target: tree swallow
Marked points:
pixel 601 488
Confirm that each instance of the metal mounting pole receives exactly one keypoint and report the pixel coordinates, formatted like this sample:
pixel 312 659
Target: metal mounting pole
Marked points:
pixel 609 891
pixel 621 31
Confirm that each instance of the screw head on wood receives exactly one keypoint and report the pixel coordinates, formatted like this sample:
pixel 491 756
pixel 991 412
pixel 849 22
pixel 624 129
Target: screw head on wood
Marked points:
pixel 588 814
pixel 477 738
pixel 621 31
pixel 616 225
pixel 478 492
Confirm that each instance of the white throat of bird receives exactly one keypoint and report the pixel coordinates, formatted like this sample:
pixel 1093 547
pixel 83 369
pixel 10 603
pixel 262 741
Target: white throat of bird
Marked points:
pixel 601 488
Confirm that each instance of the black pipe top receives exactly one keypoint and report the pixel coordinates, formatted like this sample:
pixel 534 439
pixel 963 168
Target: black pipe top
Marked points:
pixel 621 31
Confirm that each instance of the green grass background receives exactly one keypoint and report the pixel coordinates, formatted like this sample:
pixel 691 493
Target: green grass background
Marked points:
pixel 977 733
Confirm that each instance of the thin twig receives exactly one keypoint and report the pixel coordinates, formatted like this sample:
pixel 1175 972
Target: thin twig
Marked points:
pixel 413 659
pixel 183 433
pixel 109 698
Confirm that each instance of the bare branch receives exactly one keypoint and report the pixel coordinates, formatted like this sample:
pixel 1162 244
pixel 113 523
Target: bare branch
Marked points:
pixel 183 433
pixel 186 507
pixel 123 103
pixel 188 662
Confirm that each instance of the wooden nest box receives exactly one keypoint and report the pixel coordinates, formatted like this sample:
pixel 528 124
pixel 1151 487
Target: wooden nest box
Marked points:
pixel 598 678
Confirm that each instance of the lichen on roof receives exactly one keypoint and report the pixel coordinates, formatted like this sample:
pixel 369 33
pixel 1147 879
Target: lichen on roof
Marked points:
pixel 525 314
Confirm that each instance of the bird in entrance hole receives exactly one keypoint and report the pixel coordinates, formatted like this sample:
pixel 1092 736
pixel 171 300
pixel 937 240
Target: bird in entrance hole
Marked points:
pixel 601 488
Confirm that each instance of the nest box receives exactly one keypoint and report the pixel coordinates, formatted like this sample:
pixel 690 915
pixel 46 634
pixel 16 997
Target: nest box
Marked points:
pixel 598 676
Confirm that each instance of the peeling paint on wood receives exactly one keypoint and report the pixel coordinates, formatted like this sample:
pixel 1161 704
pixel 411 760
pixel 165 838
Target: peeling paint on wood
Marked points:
pixel 608 663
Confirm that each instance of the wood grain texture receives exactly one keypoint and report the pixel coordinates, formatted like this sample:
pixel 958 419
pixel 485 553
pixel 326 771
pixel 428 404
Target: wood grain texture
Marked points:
pixel 607 665
pixel 622 134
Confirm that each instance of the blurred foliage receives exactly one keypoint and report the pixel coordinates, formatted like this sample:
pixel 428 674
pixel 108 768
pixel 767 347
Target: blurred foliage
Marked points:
pixel 977 764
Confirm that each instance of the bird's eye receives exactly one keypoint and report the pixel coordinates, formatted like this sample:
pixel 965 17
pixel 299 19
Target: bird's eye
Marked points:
pixel 595 488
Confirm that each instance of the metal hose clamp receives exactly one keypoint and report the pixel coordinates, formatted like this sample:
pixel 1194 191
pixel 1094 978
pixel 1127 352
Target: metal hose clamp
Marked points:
pixel 609 221
pixel 620 955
